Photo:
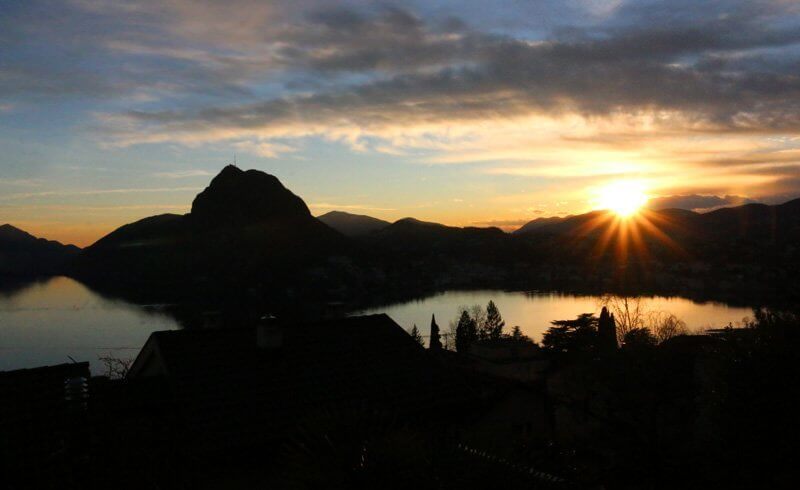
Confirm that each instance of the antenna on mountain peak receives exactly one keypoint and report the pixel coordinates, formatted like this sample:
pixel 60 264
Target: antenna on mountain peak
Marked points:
pixel 234 159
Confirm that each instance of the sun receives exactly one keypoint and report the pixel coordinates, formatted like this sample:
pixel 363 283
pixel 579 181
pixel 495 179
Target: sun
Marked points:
pixel 624 197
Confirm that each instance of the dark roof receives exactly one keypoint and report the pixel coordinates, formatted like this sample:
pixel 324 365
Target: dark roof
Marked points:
pixel 229 389
pixel 39 410
pixel 54 375
pixel 43 391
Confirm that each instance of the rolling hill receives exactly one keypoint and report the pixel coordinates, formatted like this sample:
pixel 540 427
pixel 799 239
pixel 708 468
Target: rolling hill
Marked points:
pixel 24 255
pixel 352 225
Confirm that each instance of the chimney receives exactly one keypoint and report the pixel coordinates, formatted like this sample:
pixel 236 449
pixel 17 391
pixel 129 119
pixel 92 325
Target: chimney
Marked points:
pixel 269 337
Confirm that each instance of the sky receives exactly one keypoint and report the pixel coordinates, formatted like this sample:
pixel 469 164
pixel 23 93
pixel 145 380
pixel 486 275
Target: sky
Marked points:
pixel 466 112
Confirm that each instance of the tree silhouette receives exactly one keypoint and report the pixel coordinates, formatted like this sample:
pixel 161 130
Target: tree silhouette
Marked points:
pixel 493 326
pixel 665 325
pixel 639 338
pixel 466 332
pixel 572 336
pixel 115 367
pixel 416 335
pixel 478 315
pixel 607 331
pixel 628 313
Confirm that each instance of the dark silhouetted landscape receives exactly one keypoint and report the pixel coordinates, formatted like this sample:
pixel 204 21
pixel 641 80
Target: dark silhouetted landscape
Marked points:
pixel 247 232
pixel 399 245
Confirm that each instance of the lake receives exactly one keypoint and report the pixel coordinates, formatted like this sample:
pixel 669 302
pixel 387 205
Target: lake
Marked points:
pixel 51 321
pixel 48 322
pixel 533 311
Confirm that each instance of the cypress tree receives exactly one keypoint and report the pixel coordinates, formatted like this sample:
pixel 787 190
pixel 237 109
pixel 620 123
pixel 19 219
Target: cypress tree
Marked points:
pixel 435 343
pixel 606 331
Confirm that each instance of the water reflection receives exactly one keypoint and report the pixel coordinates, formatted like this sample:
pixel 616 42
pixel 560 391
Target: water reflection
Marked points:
pixel 53 321
pixel 533 311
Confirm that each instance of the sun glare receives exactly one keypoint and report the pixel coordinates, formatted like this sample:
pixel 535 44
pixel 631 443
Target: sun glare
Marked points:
pixel 624 198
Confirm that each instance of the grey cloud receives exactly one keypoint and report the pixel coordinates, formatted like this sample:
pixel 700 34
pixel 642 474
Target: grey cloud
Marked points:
pixel 451 72
pixel 389 39
pixel 518 78
pixel 389 66
pixel 40 81
pixel 178 47
pixel 696 202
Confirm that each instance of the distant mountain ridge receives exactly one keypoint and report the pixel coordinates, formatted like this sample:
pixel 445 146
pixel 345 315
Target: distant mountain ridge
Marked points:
pixel 247 234
pixel 352 225
pixel 410 238
pixel 741 221
pixel 22 254
pixel 537 223
pixel 752 235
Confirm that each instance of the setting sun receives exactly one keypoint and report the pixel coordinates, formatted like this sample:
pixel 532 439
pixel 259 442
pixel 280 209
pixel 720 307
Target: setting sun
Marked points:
pixel 622 197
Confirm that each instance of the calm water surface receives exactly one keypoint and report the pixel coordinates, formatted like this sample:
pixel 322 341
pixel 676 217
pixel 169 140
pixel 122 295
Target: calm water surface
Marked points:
pixel 49 322
pixel 533 312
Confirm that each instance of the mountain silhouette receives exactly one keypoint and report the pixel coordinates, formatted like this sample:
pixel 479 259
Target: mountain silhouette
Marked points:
pixel 236 197
pixel 747 234
pixel 22 254
pixel 600 237
pixel 532 226
pixel 352 225
pixel 245 230
pixel 412 238
pixel 247 234
pixel 752 220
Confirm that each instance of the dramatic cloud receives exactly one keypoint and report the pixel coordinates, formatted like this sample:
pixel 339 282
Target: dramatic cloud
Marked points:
pixel 709 75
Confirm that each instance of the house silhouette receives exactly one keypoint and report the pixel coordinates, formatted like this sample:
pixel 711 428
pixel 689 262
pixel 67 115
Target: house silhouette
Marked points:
pixel 252 387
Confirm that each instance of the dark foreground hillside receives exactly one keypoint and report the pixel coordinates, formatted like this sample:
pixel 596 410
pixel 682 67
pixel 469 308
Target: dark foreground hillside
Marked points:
pixel 358 403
